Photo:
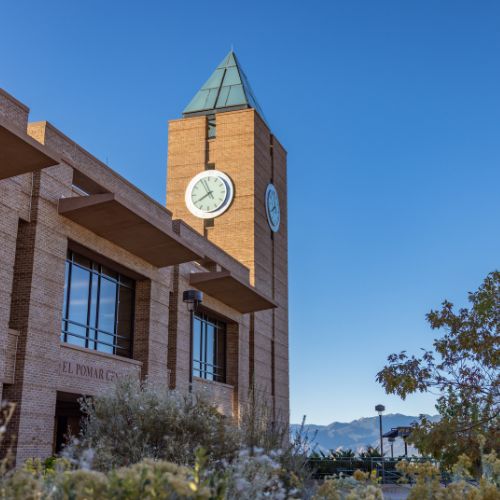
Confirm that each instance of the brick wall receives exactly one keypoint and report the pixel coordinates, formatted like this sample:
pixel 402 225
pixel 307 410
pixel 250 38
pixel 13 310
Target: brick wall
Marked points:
pixel 34 242
pixel 245 149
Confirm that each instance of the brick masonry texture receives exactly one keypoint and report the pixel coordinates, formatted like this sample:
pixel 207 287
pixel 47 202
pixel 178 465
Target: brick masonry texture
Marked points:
pixel 36 368
pixel 245 149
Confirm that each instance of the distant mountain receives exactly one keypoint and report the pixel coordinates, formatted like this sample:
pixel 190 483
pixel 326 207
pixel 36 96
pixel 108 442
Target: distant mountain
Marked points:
pixel 357 434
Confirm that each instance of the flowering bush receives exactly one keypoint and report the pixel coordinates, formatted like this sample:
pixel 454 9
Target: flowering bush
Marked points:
pixel 362 485
pixel 148 479
pixel 256 476
pixel 137 420
pixel 427 479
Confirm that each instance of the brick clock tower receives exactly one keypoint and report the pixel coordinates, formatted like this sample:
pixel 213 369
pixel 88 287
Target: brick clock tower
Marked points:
pixel 227 180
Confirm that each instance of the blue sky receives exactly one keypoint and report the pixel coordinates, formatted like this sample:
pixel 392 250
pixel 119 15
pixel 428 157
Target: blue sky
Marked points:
pixel 389 110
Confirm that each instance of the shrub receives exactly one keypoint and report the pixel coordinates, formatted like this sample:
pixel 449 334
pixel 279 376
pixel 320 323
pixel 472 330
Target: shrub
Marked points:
pixel 155 480
pixel 361 485
pixel 149 479
pixel 268 433
pixel 427 480
pixel 255 476
pixel 137 420
pixel 76 484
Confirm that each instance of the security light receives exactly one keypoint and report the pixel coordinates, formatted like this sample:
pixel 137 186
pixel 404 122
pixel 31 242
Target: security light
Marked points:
pixel 193 298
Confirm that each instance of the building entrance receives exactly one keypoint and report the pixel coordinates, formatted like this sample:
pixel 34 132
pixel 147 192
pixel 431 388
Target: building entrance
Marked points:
pixel 68 417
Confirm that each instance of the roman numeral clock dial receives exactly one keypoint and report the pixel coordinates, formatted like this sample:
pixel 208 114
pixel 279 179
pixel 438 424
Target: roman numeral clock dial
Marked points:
pixel 209 194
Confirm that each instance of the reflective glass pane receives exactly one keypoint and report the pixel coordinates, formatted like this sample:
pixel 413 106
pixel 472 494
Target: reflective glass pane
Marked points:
pixel 123 352
pixel 77 330
pixel 196 340
pixel 198 101
pixel 232 77
pixel 105 342
pixel 76 334
pixel 221 101
pixel 236 96
pixel 126 281
pixel 210 343
pixel 66 286
pixel 210 102
pixel 107 305
pixel 125 312
pixel 75 341
pixel 79 295
pixel 214 80
pixel 109 272
pixel 93 300
pixel 82 261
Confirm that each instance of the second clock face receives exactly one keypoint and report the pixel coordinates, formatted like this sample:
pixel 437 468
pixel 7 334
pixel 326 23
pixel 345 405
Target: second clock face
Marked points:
pixel 209 194
pixel 273 208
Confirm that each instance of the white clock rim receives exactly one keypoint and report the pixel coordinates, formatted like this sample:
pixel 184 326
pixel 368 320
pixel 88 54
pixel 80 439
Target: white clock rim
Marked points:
pixel 225 204
pixel 274 227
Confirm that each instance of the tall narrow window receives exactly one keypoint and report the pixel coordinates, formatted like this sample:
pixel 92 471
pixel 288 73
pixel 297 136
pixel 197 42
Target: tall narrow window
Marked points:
pixel 209 348
pixel 98 307
pixel 211 127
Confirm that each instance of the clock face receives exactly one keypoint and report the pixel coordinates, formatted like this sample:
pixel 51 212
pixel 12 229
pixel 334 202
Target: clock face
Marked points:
pixel 273 208
pixel 209 194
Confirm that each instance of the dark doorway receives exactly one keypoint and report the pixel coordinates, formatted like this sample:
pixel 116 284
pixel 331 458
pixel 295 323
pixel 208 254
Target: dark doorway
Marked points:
pixel 68 417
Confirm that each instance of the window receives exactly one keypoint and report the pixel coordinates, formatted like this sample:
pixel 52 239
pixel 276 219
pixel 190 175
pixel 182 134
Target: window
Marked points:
pixel 211 127
pixel 209 348
pixel 98 309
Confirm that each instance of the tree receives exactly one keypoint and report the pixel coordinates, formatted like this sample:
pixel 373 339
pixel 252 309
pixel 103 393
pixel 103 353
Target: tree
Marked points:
pixel 464 369
pixel 349 453
pixel 370 452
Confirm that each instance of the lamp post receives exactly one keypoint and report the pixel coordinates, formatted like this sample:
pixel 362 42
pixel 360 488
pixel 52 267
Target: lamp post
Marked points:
pixel 192 298
pixel 380 409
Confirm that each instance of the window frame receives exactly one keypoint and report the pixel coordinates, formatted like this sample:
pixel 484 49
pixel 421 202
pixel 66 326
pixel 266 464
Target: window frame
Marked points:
pixel 203 368
pixel 91 337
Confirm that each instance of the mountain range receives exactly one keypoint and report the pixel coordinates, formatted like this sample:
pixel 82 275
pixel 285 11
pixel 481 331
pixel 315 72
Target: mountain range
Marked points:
pixel 359 434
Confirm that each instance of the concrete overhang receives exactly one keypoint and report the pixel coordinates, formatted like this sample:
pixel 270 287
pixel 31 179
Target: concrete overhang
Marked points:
pixel 20 153
pixel 232 291
pixel 112 217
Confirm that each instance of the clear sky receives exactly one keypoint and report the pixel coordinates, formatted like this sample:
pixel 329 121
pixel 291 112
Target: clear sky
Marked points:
pixel 389 110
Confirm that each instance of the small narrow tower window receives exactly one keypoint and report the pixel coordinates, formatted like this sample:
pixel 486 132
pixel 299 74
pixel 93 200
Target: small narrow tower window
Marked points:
pixel 211 127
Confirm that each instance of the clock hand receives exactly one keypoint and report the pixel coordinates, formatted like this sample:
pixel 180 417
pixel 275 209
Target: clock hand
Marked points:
pixel 207 189
pixel 209 193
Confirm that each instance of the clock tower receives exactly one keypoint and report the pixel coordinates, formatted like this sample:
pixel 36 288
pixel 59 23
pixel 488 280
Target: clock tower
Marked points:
pixel 227 180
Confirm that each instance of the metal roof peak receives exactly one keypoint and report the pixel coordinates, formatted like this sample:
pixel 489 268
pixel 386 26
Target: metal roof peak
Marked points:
pixel 226 89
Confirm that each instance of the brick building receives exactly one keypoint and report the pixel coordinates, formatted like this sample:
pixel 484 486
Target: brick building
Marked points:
pixel 93 271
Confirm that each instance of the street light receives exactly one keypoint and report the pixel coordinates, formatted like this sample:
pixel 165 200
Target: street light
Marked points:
pixel 380 409
pixel 192 298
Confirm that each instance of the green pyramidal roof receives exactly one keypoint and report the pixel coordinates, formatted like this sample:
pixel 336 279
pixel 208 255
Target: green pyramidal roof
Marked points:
pixel 226 89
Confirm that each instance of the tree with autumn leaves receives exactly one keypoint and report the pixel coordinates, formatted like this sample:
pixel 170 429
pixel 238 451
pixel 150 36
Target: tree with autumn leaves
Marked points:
pixel 463 368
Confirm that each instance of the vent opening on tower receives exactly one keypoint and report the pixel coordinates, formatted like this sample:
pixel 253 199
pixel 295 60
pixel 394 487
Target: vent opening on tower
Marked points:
pixel 211 127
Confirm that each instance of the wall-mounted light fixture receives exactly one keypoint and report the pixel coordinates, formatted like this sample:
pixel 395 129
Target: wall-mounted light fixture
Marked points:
pixel 193 298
